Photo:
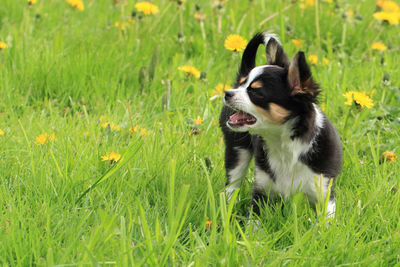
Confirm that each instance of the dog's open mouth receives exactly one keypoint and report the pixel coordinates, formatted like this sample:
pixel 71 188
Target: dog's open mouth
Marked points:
pixel 240 119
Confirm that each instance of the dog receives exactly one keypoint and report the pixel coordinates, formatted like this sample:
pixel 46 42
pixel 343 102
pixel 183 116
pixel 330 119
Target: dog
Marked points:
pixel 272 114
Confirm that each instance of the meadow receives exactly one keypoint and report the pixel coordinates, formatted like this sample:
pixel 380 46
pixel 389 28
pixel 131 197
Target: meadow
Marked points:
pixel 111 154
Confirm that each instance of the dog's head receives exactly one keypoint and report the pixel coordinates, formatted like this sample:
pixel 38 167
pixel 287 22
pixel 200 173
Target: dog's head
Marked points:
pixel 270 94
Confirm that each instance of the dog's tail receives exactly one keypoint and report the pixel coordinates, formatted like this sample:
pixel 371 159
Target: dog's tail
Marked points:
pixel 273 48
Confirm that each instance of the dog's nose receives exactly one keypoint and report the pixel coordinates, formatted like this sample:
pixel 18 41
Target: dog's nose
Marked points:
pixel 228 94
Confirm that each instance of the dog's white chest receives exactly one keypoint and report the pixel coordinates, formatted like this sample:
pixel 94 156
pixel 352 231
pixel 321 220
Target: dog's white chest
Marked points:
pixel 289 173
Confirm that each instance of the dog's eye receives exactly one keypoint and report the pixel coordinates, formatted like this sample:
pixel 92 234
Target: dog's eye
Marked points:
pixel 254 92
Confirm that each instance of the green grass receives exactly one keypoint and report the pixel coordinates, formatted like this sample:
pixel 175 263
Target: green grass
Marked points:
pixel 64 69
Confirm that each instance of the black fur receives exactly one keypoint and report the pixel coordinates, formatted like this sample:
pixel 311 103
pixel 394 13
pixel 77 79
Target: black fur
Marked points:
pixel 291 86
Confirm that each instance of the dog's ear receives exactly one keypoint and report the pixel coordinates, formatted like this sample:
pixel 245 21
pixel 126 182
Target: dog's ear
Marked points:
pixel 299 77
pixel 275 53
pixel 249 55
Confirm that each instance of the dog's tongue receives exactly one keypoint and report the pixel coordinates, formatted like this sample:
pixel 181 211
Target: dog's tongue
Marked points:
pixel 240 118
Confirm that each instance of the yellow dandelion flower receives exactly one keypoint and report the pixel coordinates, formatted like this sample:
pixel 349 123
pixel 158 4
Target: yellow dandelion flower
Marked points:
pixel 329 1
pixel 208 223
pixel 147 8
pixel 31 2
pixel 134 129
pixel 112 126
pixel 86 133
pixel 391 17
pixel 115 127
pixel 235 42
pixel 40 140
pixel 198 121
pixel 389 156
pixel 44 138
pixel 3 45
pixel 325 61
pixel 363 100
pixel 389 6
pixel 77 4
pixel 1 132
pixel 220 89
pixel 199 16
pixel 101 118
pixel 378 46
pixel 143 131
pixel 313 59
pixel 297 42
pixel 113 157
pixel 350 13
pixel 349 98
pixel 120 25
pixel 359 98
pixel 52 137
pixel 190 70
pixel 105 124
pixel 307 3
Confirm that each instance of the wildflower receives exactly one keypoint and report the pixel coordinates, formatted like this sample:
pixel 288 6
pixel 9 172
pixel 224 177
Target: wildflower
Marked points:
pixel 101 118
pixel 235 42
pixel 112 126
pixel 120 25
pixel 1 132
pixel 86 133
pixel 31 2
pixel 199 16
pixel 115 127
pixel 134 129
pixel 143 131
pixel 77 4
pixel 44 139
pixel 388 6
pixel 198 121
pixel 307 4
pixel 350 13
pixel 112 157
pixel 3 45
pixel 313 59
pixel 363 100
pixel 389 156
pixel 147 8
pixel 41 139
pixel 220 89
pixel 190 70
pixel 297 42
pixel 208 224
pixel 51 137
pixel 378 46
pixel 360 98
pixel 325 61
pixel 391 17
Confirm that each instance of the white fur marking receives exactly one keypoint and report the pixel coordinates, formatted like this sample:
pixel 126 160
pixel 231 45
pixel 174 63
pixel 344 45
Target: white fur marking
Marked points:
pixel 236 174
pixel 283 157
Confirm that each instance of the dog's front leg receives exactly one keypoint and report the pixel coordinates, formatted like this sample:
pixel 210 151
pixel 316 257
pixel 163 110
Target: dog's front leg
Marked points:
pixel 236 164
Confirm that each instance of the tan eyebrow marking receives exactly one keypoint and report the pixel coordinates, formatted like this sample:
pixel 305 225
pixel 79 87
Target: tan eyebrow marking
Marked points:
pixel 256 84
pixel 242 79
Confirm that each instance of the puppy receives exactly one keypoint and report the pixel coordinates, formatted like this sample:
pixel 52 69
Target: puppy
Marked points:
pixel 272 114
